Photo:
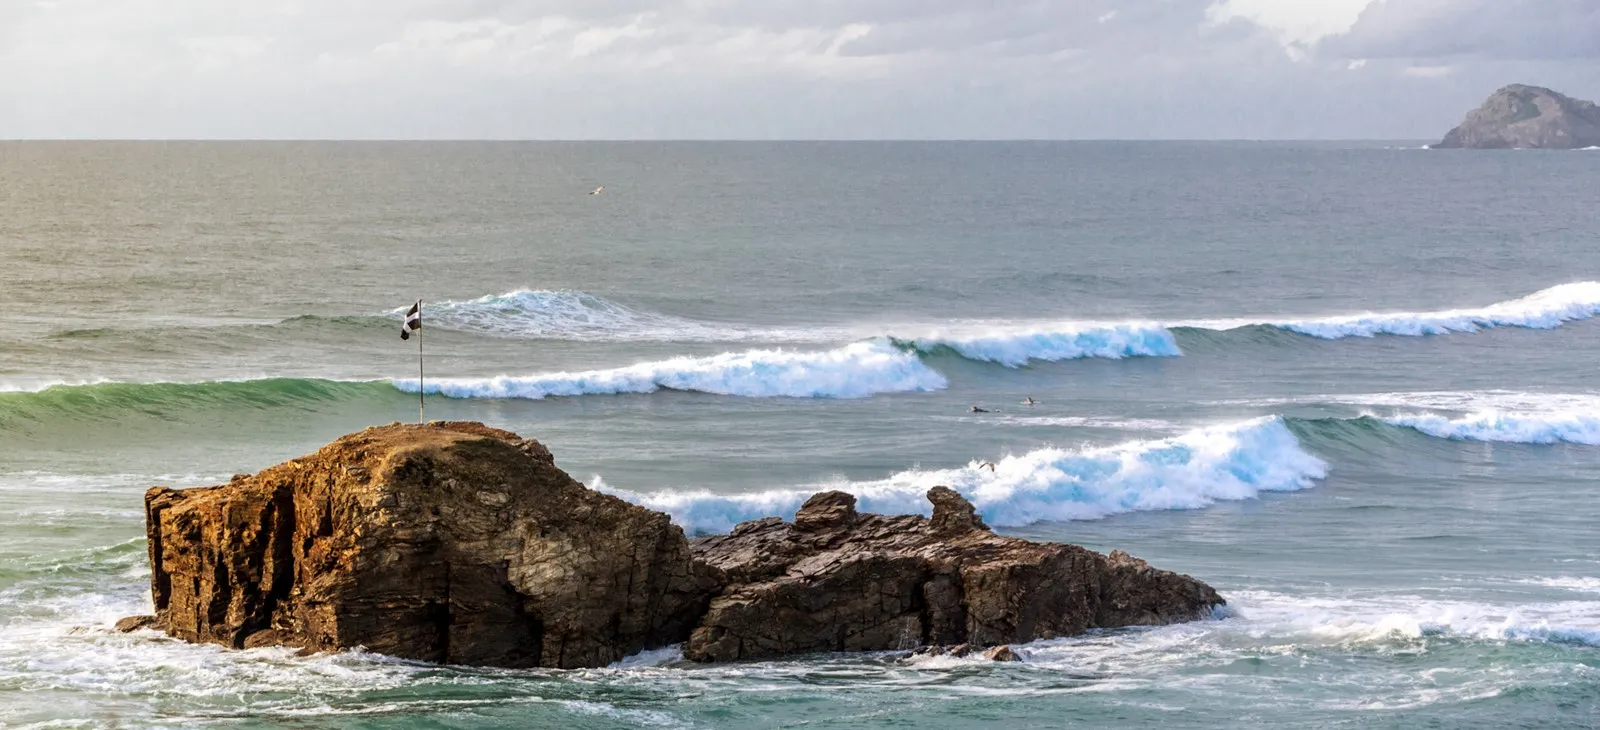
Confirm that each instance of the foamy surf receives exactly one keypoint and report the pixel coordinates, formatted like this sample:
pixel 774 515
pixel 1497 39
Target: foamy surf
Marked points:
pixel 852 371
pixel 579 316
pixel 1506 427
pixel 1016 345
pixel 583 317
pixel 1545 309
pixel 1189 471
pixel 1328 620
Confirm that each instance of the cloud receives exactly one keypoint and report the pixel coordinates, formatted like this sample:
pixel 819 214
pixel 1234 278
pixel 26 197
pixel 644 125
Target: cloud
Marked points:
pixel 775 68
pixel 1297 23
pixel 1482 29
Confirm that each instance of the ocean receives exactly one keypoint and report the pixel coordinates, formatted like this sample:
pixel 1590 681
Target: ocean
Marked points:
pixel 1353 386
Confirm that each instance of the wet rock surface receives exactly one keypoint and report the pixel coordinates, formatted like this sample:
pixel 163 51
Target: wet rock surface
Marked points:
pixel 836 580
pixel 462 544
pixel 451 543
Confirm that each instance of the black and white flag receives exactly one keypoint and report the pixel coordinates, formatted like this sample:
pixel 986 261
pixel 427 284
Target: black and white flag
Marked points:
pixel 413 321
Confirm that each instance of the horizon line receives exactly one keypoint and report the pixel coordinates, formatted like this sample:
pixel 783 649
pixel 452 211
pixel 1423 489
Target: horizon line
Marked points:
pixel 754 140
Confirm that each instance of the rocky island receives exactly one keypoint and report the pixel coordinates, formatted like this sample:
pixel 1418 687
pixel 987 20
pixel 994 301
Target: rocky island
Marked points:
pixel 1527 117
pixel 458 543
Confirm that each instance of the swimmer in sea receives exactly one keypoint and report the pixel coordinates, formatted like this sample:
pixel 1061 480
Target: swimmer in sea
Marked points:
pixel 976 409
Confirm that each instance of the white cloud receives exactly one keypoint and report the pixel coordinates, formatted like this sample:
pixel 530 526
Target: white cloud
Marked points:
pixel 773 68
pixel 1481 29
pixel 1299 23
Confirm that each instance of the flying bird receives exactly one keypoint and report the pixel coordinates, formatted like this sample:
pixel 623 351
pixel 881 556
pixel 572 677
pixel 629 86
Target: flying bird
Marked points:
pixel 987 465
pixel 598 190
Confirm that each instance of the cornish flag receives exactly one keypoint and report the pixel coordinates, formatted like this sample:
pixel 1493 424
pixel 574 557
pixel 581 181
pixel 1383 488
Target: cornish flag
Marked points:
pixel 413 321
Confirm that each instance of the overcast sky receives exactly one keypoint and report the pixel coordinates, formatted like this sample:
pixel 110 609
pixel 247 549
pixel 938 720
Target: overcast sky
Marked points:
pixel 778 69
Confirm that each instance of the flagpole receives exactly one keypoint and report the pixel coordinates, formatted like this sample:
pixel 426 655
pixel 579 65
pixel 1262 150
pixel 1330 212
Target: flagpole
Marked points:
pixel 422 397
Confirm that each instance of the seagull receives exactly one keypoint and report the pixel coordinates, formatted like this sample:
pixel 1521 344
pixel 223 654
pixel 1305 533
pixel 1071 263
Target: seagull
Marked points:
pixel 976 409
pixel 597 191
pixel 987 465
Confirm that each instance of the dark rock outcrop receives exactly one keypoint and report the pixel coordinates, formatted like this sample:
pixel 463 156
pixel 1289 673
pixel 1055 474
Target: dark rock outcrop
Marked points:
pixel 836 580
pixel 462 544
pixel 1527 117
pixel 1001 653
pixel 451 543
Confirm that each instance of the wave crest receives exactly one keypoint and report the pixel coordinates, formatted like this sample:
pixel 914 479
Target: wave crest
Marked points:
pixel 853 371
pixel 1188 471
pixel 1507 427
pixel 1016 346
pixel 1545 309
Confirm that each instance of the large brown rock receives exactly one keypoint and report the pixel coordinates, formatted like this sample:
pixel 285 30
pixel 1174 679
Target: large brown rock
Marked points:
pixel 451 542
pixel 1523 117
pixel 458 543
pixel 836 580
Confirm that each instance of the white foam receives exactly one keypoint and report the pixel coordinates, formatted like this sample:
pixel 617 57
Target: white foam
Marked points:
pixel 575 315
pixel 1507 426
pixel 650 658
pixel 1316 620
pixel 35 385
pixel 852 371
pixel 1189 471
pixel 1105 422
pixel 1586 584
pixel 1015 345
pixel 1317 636
pixel 1545 309
pixel 584 317
pixel 1445 400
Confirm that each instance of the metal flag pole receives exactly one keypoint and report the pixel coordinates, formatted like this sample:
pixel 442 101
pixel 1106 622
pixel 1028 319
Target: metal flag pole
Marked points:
pixel 422 397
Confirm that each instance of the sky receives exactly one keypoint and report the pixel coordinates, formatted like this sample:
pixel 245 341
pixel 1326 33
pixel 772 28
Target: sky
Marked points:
pixel 777 69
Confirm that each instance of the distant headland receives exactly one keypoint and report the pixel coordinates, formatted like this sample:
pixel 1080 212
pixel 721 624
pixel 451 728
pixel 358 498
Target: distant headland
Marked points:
pixel 1527 117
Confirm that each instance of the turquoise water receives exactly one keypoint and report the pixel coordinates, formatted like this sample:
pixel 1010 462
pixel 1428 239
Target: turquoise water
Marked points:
pixel 1352 386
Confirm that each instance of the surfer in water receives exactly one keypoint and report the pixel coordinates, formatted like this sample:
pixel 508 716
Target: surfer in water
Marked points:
pixel 1028 401
pixel 976 409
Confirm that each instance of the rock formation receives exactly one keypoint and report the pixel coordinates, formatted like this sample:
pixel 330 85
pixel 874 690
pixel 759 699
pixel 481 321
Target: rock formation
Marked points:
pixel 1520 116
pixel 458 543
pixel 451 543
pixel 836 580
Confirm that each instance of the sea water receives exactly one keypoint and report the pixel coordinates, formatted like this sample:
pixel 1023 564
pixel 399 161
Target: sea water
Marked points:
pixel 1354 388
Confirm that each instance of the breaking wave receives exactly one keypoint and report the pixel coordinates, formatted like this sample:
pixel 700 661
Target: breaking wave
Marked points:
pixel 1503 416
pixel 852 371
pixel 1508 427
pixel 571 315
pixel 1545 309
pixel 579 316
pixel 1015 346
pixel 1189 471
